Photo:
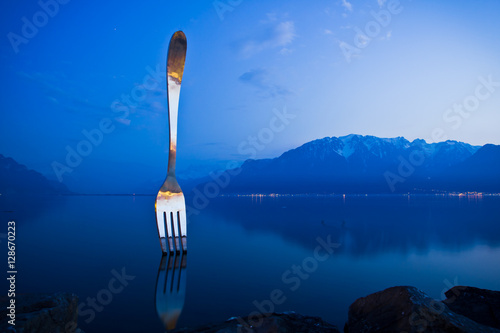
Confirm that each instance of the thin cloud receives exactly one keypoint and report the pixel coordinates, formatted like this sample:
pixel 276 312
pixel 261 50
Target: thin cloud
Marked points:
pixel 259 78
pixel 255 77
pixel 270 36
pixel 381 2
pixel 285 51
pixel 271 17
pixel 51 84
pixel 347 5
pixel 65 95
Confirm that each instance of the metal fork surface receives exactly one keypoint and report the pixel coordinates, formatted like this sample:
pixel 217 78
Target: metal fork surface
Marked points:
pixel 170 204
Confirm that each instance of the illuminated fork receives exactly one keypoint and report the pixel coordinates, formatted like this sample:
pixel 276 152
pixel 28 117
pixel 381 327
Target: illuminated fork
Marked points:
pixel 170 205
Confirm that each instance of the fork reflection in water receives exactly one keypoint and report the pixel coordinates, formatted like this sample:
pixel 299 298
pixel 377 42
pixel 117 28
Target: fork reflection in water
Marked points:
pixel 171 288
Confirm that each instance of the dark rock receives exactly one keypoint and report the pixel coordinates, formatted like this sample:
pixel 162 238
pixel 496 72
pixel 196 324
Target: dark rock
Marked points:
pixel 268 323
pixel 406 310
pixel 41 313
pixel 480 305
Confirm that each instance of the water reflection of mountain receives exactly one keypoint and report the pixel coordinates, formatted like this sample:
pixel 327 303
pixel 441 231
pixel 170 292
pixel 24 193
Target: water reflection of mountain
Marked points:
pixel 28 207
pixel 370 225
pixel 25 193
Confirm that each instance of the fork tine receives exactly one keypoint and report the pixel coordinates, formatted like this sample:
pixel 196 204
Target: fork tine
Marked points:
pixel 168 224
pixel 175 231
pixel 160 223
pixel 164 245
pixel 175 228
pixel 182 228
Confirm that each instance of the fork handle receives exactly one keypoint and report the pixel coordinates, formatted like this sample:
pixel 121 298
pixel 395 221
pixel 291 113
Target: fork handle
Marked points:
pixel 175 69
pixel 173 109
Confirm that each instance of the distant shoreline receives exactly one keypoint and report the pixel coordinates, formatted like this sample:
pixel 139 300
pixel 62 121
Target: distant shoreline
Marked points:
pixel 288 195
pixel 451 194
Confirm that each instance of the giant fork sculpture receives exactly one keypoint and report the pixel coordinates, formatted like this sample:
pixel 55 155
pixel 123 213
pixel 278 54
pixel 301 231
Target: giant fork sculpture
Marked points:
pixel 170 204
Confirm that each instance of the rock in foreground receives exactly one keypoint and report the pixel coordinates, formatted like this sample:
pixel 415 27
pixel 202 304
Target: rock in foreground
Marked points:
pixel 41 313
pixel 406 309
pixel 268 323
pixel 480 305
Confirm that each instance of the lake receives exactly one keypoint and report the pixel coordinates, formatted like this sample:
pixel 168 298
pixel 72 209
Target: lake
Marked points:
pixel 318 254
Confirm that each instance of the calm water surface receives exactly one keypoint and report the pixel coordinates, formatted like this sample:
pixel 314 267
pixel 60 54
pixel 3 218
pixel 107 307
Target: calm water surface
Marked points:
pixel 241 249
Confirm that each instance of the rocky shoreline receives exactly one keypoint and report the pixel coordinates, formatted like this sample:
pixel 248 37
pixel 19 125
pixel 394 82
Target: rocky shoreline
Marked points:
pixel 41 313
pixel 400 309
pixel 394 310
pixel 407 309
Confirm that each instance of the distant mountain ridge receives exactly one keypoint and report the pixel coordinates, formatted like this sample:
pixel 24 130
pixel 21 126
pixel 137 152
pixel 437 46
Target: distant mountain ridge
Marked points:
pixel 16 178
pixel 368 164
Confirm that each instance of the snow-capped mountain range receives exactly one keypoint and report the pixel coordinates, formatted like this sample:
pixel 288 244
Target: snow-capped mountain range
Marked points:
pixel 367 164
pixel 368 146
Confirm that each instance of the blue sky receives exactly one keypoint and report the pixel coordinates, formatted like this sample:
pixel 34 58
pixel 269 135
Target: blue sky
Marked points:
pixel 374 67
